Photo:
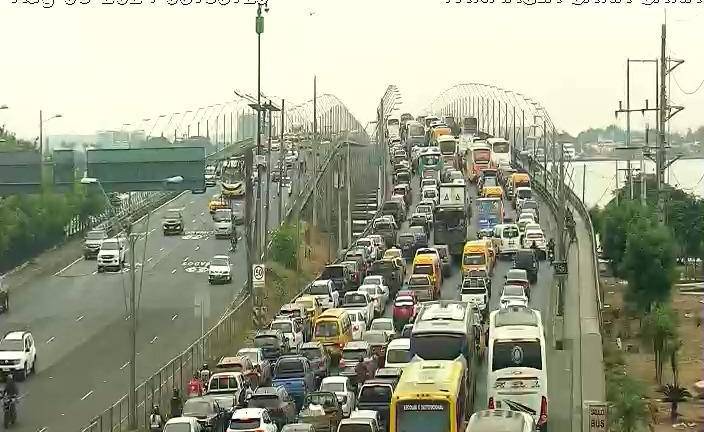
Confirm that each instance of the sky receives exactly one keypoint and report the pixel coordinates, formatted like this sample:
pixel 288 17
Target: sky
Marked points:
pixel 103 65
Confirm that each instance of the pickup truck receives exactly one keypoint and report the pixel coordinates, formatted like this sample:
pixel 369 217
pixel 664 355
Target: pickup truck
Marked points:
pixel 375 394
pixel 295 375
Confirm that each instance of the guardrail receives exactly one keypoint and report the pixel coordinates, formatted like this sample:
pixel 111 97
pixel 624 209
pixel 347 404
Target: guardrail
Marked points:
pixel 216 342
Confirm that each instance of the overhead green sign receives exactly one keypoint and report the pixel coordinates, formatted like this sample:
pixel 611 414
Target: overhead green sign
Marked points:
pixel 145 169
pixel 20 173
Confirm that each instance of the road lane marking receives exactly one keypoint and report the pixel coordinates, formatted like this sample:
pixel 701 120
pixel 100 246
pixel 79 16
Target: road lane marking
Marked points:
pixel 173 271
pixel 193 221
pixel 95 272
pixel 191 202
pixel 174 317
pixel 153 340
pixel 79 318
pixel 42 429
pixel 65 268
pixel 128 317
pixel 202 213
pixel 198 247
pixel 149 259
pixel 51 339
pixel 161 249
pixel 186 259
pixel 124 365
pixel 86 395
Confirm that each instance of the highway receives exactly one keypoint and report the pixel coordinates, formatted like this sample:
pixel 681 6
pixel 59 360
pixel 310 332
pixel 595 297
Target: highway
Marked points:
pixel 541 299
pixel 78 316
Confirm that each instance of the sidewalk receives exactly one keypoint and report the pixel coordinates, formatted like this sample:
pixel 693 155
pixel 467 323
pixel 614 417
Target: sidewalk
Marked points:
pixel 47 263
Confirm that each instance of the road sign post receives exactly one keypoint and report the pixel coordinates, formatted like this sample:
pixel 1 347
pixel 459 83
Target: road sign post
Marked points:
pixel 596 416
pixel 560 267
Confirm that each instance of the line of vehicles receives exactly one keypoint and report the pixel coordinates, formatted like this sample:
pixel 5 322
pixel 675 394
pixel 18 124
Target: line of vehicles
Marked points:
pixel 376 343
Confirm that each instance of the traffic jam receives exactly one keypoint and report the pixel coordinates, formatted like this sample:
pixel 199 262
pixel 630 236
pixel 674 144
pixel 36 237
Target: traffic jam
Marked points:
pixel 397 334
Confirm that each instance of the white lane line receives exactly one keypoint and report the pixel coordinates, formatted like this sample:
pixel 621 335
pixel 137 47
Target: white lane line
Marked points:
pixel 191 202
pixel 149 259
pixel 128 317
pixel 42 429
pixel 95 272
pixel 124 365
pixel 161 249
pixel 202 213
pixel 153 340
pixel 174 317
pixel 194 221
pixel 86 395
pixel 173 271
pixel 197 247
pixel 51 339
pixel 79 318
pixel 186 259
pixel 63 269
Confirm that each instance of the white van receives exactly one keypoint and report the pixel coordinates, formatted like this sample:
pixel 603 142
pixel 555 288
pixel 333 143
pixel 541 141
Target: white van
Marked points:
pixel 507 238
pixel 398 353
pixel 517 364
pixel 430 193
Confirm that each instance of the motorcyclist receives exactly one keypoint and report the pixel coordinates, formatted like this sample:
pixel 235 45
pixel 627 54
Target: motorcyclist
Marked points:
pixel 195 386
pixel 361 371
pixel 176 404
pixel 551 249
pixel 204 373
pixel 233 240
pixel 533 245
pixel 10 387
pixel 156 421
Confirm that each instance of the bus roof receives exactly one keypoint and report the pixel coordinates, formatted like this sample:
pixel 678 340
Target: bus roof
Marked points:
pixel 430 377
pixel 444 138
pixel 516 316
pixel 496 140
pixel 443 310
pixel 516 332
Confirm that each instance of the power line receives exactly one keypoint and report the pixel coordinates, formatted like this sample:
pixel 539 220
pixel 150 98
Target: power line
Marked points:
pixel 699 87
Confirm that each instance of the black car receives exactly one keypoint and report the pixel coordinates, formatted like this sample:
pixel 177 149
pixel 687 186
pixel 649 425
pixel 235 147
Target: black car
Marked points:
pixel 340 275
pixel 420 220
pixel 208 412
pixel 277 401
pixel 527 260
pixel 272 342
pixel 408 244
pixel 395 208
pixel 421 236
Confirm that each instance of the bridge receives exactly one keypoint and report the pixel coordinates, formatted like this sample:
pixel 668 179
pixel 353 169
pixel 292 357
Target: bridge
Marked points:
pixel 80 318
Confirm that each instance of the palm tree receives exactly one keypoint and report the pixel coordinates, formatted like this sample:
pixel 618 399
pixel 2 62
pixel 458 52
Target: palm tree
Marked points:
pixel 630 410
pixel 674 394
pixel 658 328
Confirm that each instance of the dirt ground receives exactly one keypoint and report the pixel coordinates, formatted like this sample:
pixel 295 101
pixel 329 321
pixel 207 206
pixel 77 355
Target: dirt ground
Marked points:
pixel 640 362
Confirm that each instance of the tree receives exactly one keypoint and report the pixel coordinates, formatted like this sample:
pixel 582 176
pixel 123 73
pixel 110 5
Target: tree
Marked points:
pixel 616 223
pixel 674 394
pixel 659 328
pixel 648 264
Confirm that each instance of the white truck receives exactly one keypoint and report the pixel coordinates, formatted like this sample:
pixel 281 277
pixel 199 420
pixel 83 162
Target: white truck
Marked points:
pixel 112 254
pixel 453 194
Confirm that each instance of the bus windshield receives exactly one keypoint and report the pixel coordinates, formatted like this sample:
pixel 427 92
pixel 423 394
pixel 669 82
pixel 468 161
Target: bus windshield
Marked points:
pixel 434 346
pixel 422 416
pixel 500 147
pixel 512 354
pixel 482 155
pixel 474 259
pixel 423 269
pixel 416 130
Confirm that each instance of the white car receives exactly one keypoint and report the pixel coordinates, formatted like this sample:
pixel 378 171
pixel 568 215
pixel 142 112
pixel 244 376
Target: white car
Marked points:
pixel 475 291
pixel 427 210
pixel 112 254
pixel 251 420
pixel 377 295
pixel 342 388
pixel 291 329
pixel 428 182
pixel 324 289
pixel 524 220
pixel 535 235
pixel 18 354
pixel 220 269
pixel 513 295
pixel 383 324
pixel 398 353
pixel 378 242
pixel 359 324
pixel 430 193
pixel 223 223
pixel 360 300
pixel 183 424
pixel 378 280
pixel 370 246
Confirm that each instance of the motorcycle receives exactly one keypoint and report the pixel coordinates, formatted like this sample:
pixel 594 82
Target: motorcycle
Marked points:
pixel 551 256
pixel 9 411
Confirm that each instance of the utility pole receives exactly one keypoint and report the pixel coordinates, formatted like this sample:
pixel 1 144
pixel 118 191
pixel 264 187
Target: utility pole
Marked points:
pixel 643 183
pixel 250 232
pixel 349 193
pixel 628 124
pixel 282 164
pixel 314 148
pixel 259 28
pixel 561 248
pixel 269 108
pixel 132 238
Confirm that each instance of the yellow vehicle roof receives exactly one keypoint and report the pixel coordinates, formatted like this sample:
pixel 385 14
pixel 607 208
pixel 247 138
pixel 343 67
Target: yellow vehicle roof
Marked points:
pixel 474 245
pixel 493 191
pixel 430 376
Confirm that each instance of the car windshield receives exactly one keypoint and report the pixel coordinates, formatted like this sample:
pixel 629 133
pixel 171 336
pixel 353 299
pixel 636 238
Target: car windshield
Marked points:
pixel 178 427
pixel 310 353
pixel 424 209
pixel 11 345
pixel 319 289
pixel 332 272
pixel 251 355
pixel 283 326
pixel 195 408
pixel 474 259
pixel 222 216
pixel 95 235
pixel 354 427
pixel 524 193
pixel 110 245
pixel 418 281
pixel 266 340
pixel 220 262
pixel 355 299
pixel 173 214
pixel 423 269
pixel 473 290
pixel 354 354
pixel 244 424
pixel 513 291
pixel 223 383
pixel 373 280
pixel 334 387
pixel 398 356
pixel 382 325
pixel 510 232
pixel 375 338
pixel 326 329
pixel 292 366
pixel 378 393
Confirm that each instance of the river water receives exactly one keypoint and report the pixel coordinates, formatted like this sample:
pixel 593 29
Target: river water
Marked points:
pixel 686 174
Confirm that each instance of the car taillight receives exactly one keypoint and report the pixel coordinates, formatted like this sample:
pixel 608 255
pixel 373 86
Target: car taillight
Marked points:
pixel 342 363
pixel 491 403
pixel 543 411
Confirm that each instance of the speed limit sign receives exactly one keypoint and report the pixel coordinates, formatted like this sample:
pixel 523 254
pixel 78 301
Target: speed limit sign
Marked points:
pixel 258 275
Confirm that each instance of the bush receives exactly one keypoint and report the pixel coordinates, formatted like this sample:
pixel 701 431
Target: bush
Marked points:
pixel 284 246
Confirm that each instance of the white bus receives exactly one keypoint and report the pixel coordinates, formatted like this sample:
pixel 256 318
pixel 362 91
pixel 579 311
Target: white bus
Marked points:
pixel 500 151
pixel 393 127
pixel 444 330
pixel 516 363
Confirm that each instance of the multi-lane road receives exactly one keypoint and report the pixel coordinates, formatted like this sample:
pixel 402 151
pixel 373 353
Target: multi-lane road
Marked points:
pixel 78 316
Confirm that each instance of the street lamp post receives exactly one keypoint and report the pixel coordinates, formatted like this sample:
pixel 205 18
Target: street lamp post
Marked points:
pixel 132 238
pixel 41 130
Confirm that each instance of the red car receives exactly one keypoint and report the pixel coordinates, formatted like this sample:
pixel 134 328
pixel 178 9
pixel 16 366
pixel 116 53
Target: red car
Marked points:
pixel 405 308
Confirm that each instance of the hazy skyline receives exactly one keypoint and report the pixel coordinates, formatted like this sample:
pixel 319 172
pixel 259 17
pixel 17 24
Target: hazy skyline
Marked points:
pixel 102 66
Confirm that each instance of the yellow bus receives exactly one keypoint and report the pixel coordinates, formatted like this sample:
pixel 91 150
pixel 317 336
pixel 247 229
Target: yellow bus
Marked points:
pixel 434 395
